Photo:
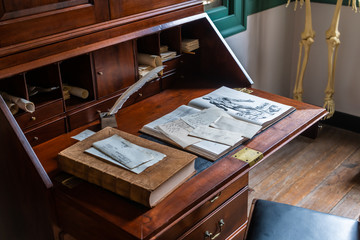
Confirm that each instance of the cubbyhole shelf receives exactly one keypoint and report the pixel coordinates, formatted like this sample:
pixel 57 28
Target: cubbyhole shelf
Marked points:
pixel 43 84
pixel 15 86
pixel 77 72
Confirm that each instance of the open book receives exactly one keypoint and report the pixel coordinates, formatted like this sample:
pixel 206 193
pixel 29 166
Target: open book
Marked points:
pixel 216 123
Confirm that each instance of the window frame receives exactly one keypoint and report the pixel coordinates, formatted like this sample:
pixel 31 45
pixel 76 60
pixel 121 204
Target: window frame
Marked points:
pixel 229 19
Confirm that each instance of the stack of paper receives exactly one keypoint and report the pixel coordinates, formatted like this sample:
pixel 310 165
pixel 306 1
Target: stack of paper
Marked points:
pixel 188 45
pixel 167 55
pixel 121 152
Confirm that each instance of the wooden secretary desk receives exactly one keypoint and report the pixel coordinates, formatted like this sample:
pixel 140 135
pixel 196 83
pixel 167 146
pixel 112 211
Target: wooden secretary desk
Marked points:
pixel 93 44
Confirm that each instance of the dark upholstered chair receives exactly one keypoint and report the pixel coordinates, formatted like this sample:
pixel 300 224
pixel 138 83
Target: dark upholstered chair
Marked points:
pixel 277 221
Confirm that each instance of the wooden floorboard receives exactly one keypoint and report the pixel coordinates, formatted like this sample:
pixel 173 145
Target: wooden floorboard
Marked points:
pixel 321 174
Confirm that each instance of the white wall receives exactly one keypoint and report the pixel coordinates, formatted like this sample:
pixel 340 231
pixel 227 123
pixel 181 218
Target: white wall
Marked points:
pixel 269 50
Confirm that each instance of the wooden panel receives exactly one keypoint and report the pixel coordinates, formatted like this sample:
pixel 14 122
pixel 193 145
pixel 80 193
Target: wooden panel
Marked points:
pixel 115 68
pixel 20 8
pixel 172 39
pixel 233 214
pixel 24 185
pixel 125 8
pixel 149 44
pixel 46 132
pixel 41 114
pixel 47 17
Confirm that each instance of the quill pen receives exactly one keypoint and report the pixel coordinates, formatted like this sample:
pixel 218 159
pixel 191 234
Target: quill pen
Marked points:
pixel 134 88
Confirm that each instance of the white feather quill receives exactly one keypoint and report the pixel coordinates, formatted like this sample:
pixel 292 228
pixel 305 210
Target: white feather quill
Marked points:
pixel 134 88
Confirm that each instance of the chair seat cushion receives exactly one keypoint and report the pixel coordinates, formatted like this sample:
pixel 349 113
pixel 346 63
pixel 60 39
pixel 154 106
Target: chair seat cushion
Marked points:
pixel 277 221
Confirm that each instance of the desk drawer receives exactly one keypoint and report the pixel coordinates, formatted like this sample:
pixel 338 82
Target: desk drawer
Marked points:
pixel 205 208
pixel 222 222
pixel 42 113
pixel 46 132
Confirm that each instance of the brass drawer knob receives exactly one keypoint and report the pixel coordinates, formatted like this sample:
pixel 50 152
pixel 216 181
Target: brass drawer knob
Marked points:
pixel 36 138
pixel 209 235
pixel 33 118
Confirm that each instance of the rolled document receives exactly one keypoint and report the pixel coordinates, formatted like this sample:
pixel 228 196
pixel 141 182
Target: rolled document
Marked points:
pixel 12 107
pixel 76 91
pixel 20 102
pixel 149 60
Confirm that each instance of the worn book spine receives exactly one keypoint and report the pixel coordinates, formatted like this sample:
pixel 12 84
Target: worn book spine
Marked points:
pixel 107 181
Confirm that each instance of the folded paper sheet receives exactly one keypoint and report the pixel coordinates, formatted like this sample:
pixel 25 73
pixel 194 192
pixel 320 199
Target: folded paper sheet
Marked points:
pixel 124 152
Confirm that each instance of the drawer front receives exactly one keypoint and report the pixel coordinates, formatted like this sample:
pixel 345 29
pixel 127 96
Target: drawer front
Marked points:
pixel 205 208
pixel 27 20
pixel 222 222
pixel 46 132
pixel 87 115
pixel 41 114
pixel 171 65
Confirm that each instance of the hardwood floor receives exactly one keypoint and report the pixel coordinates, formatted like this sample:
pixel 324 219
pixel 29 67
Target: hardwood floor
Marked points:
pixel 321 174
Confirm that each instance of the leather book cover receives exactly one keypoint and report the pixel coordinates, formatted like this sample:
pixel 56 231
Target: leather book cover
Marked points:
pixel 147 188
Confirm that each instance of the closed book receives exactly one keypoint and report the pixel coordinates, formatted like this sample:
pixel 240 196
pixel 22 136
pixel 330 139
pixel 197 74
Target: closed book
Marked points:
pixel 147 188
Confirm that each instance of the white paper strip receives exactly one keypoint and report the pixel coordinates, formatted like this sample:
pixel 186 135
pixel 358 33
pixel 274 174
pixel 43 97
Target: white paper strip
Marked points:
pixel 216 135
pixel 245 129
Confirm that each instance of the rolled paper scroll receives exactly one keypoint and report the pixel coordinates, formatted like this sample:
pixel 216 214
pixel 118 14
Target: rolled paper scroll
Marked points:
pixel 149 60
pixel 20 102
pixel 12 107
pixel 76 91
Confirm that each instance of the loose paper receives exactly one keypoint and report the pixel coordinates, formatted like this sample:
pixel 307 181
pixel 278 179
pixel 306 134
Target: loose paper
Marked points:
pixel 83 135
pixel 216 135
pixel 157 158
pixel 178 131
pixel 123 151
pixel 204 117
pixel 181 111
pixel 245 129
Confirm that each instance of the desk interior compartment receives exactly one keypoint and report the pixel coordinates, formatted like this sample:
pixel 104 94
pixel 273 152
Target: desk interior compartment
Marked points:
pixel 15 86
pixel 77 72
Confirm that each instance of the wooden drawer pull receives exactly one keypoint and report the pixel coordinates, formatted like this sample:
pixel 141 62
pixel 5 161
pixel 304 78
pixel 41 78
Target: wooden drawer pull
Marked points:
pixel 210 235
